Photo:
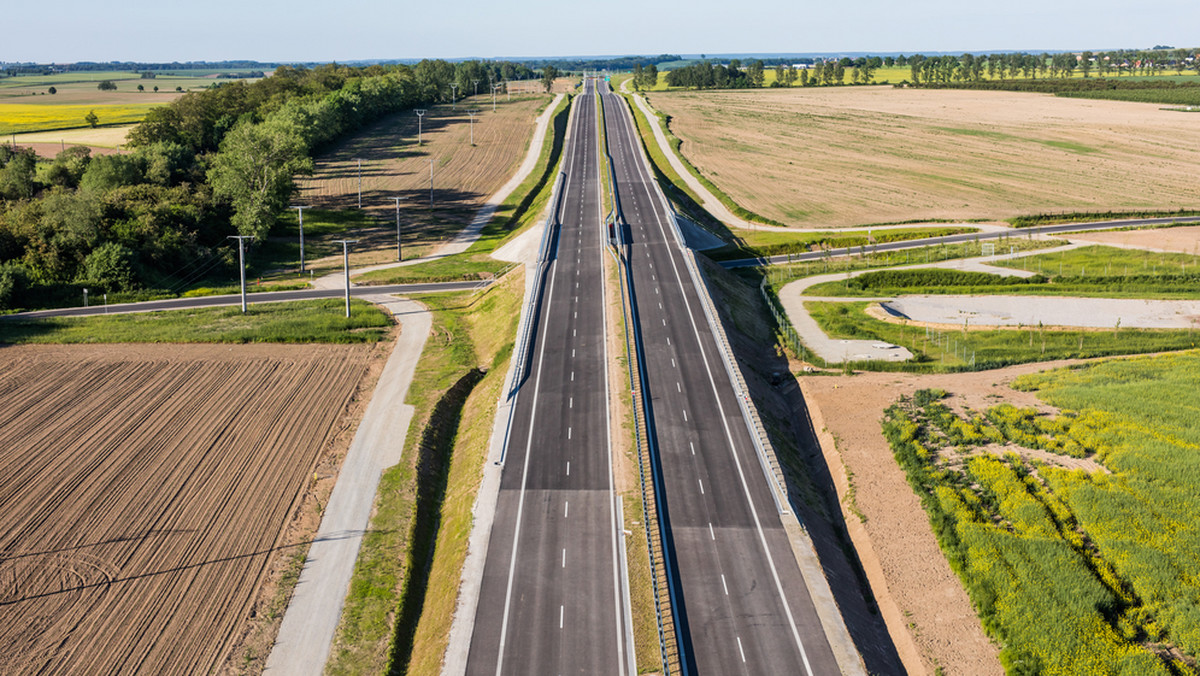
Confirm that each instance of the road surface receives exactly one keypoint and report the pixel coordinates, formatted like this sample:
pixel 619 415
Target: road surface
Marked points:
pixel 551 599
pixel 742 606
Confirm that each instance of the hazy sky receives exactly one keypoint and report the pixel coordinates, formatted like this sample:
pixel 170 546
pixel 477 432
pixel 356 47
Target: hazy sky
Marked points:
pixel 306 30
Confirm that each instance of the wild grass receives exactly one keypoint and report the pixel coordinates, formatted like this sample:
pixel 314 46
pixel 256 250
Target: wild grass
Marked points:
pixel 1070 571
pixel 311 321
pixel 1107 261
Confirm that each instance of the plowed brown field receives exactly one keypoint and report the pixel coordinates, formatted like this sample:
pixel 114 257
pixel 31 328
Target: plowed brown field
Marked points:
pixel 145 495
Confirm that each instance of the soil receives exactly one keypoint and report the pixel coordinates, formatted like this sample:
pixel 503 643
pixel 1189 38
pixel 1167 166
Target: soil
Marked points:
pixel 921 599
pixel 1185 239
pixel 843 156
pixel 393 165
pixel 157 496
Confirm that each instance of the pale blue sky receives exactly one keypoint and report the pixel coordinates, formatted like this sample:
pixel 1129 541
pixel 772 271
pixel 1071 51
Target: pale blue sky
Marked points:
pixel 307 30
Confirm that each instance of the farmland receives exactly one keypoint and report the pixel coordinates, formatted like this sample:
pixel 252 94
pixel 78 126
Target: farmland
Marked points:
pixel 148 496
pixel 393 165
pixel 1071 571
pixel 857 155
pixel 26 105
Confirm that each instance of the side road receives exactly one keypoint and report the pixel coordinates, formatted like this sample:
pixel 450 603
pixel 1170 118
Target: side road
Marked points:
pixel 307 632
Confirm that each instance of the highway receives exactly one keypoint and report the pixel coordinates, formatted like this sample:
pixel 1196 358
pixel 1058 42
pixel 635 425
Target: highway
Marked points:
pixel 958 239
pixel 551 601
pixel 742 606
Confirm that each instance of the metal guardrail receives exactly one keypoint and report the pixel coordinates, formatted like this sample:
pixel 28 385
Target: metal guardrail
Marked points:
pixel 767 457
pixel 660 577
pixel 524 344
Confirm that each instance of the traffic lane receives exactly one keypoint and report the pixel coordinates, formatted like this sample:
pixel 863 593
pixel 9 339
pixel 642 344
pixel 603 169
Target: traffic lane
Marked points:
pixel 262 297
pixel 956 239
pixel 698 591
pixel 561 608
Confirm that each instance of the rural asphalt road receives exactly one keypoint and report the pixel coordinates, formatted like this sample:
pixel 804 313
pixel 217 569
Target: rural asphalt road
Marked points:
pixel 551 599
pixel 741 603
pixel 253 298
pixel 956 239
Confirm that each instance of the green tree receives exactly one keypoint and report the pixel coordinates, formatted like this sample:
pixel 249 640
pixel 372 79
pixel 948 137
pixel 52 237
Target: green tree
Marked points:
pixel 17 174
pixel 141 88
pixel 650 76
pixel 109 267
pixel 1085 63
pixel 14 281
pixel 253 172
pixel 91 119
pixel 548 75
pixel 52 90
pixel 107 86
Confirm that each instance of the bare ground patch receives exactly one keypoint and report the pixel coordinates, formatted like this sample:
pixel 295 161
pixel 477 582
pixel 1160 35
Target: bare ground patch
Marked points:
pixel 159 496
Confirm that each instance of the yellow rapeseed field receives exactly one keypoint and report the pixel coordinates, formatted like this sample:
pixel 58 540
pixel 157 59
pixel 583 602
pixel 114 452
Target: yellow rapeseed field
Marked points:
pixel 22 117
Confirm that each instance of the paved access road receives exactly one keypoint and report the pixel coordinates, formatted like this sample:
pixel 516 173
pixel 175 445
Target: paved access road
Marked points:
pixel 551 599
pixel 741 603
pixel 968 237
pixel 264 297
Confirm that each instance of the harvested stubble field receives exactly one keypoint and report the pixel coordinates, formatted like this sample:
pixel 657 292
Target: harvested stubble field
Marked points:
pixel 148 492
pixel 856 155
pixel 393 165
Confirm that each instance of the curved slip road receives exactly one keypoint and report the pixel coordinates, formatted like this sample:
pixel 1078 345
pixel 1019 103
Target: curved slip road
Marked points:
pixel 741 602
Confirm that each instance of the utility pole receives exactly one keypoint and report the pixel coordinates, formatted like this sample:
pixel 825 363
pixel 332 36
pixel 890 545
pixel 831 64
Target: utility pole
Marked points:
pixel 494 88
pixel 359 182
pixel 242 263
pixel 472 113
pixel 399 251
pixel 430 182
pixel 346 266
pixel 300 215
pixel 453 96
pixel 420 114
pixel 474 83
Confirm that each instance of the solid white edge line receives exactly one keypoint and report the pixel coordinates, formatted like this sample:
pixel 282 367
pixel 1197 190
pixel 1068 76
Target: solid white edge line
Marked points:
pixel 643 175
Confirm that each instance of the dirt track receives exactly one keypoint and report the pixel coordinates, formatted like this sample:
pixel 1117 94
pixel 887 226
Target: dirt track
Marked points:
pixel 146 493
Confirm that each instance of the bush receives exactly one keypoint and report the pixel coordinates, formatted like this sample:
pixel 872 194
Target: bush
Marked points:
pixel 107 86
pixel 14 283
pixel 110 268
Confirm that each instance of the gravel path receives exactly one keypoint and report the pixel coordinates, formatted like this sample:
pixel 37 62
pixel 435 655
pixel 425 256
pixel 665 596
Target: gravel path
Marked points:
pixel 310 623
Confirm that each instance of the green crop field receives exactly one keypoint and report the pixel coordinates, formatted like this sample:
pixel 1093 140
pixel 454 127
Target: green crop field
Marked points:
pixel 1071 571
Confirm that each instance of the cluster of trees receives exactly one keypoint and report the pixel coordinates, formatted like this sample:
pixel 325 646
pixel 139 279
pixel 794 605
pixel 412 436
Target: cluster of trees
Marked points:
pixel 209 164
pixel 645 77
pixel 707 75
pixel 968 68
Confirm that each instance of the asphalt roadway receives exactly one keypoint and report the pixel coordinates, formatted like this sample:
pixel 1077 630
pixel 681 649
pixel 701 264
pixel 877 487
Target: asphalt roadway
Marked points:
pixel 251 299
pixel 741 604
pixel 551 601
pixel 956 239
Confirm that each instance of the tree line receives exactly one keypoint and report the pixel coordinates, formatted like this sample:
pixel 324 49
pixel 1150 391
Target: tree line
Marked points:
pixel 210 164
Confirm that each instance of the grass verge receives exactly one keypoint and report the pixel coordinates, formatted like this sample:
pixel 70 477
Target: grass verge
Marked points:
pixel 763 243
pixel 310 321
pixel 402 597
pixel 1090 217
pixel 961 350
